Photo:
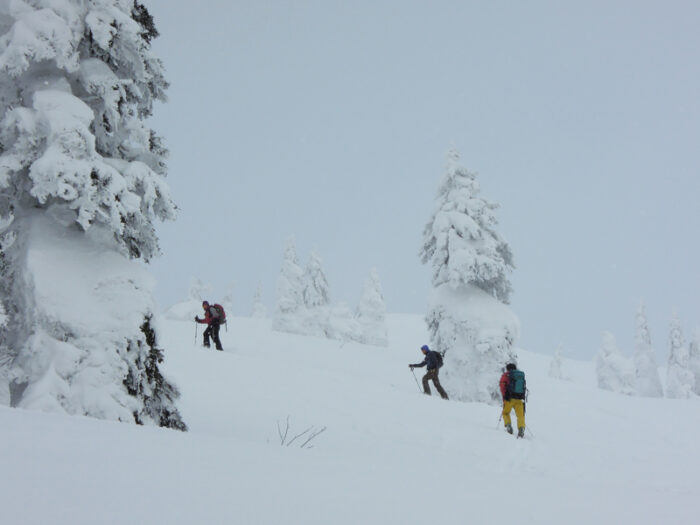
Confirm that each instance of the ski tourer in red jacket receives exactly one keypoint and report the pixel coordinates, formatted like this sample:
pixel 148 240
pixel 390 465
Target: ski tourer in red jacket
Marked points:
pixel 213 318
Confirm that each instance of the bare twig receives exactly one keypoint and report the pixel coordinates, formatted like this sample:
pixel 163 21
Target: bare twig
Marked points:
pixel 299 435
pixel 313 435
pixel 309 434
pixel 283 437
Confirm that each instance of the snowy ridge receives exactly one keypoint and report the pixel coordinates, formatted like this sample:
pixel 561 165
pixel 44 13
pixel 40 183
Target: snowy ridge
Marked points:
pixel 389 455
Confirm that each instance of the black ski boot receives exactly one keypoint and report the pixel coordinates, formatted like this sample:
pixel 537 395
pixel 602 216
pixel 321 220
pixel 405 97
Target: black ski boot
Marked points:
pixel 509 428
pixel 521 432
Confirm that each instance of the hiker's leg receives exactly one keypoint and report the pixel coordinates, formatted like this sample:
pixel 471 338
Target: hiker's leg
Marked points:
pixel 206 335
pixel 426 387
pixel 438 386
pixel 507 407
pixel 519 412
pixel 215 335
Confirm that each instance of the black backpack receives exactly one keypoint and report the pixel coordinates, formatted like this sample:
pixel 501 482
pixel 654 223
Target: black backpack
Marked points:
pixel 438 358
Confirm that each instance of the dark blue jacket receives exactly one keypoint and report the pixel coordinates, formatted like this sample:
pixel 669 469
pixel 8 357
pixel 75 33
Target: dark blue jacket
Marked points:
pixel 430 359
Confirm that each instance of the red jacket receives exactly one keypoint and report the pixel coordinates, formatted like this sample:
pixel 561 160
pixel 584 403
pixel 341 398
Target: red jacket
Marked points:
pixel 209 318
pixel 503 384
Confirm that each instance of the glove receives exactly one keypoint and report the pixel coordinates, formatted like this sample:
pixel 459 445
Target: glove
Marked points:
pixel 410 366
pixel 196 318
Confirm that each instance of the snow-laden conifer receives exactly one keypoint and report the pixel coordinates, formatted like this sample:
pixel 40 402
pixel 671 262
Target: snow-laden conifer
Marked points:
pixel 192 306
pixel 227 299
pixel 290 309
pixel 371 312
pixel 77 83
pixel 694 359
pixel 555 371
pixel 316 289
pixel 469 320
pixel 679 378
pixel 647 380
pixel 460 241
pixel 199 291
pixel 259 310
pixel 316 298
pixel 613 371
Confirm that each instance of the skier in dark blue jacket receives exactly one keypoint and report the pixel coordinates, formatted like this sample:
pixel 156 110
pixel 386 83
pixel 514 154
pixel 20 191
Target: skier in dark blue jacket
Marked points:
pixel 433 361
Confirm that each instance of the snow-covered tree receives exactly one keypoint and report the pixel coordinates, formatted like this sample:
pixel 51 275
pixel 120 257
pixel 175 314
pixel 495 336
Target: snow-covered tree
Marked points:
pixel 290 309
pixel 469 320
pixel 259 309
pixel 694 359
pixel 613 370
pixel 316 298
pixel 371 312
pixel 460 241
pixel 186 310
pixel 340 324
pixel 199 291
pixel 679 379
pixel 316 290
pixel 555 364
pixel 647 380
pixel 227 300
pixel 78 81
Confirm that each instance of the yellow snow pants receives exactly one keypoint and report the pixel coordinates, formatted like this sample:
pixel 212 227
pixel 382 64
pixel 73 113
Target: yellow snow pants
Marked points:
pixel 516 404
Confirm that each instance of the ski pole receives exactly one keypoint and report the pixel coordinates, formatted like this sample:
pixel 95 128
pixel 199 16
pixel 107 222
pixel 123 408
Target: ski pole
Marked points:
pixel 414 377
pixel 195 332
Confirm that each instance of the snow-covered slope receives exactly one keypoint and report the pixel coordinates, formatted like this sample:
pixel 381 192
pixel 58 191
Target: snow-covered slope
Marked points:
pixel 388 454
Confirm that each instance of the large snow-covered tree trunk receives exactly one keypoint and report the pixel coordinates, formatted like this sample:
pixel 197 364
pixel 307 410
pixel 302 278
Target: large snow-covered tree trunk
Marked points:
pixel 477 334
pixel 79 167
pixel 90 346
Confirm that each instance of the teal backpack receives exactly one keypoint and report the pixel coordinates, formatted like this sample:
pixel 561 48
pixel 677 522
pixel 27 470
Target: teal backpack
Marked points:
pixel 516 384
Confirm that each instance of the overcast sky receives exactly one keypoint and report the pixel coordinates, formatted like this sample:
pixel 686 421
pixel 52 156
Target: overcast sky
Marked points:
pixel 331 121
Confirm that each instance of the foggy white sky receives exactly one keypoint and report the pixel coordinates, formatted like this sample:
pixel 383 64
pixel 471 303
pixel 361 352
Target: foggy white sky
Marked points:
pixel 331 120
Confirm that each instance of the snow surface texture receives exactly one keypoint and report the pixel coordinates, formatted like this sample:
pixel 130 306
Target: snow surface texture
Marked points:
pixel 389 454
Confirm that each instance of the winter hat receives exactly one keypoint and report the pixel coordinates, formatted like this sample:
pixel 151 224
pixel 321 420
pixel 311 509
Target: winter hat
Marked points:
pixel 425 348
pixel 510 366
pixel 205 303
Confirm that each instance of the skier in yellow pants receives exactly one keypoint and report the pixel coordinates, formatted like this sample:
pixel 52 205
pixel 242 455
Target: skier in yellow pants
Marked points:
pixel 513 394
